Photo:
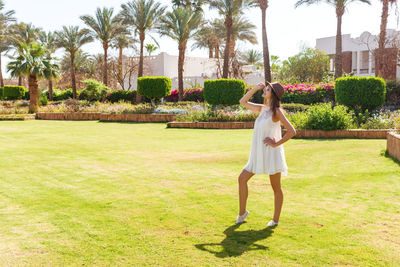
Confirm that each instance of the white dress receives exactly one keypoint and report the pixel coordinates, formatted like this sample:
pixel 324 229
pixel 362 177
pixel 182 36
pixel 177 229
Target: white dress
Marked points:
pixel 263 158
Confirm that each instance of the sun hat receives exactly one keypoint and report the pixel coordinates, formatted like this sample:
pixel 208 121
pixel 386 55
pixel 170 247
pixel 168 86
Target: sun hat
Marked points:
pixel 277 89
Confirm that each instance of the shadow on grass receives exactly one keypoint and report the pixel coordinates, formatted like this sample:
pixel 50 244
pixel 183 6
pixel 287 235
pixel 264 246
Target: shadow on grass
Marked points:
pixel 386 154
pixel 237 242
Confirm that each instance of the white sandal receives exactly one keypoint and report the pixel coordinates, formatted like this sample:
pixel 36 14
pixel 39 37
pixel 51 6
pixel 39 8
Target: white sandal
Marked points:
pixel 272 223
pixel 240 218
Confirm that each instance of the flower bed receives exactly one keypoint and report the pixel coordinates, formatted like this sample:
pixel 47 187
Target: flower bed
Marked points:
pixel 138 117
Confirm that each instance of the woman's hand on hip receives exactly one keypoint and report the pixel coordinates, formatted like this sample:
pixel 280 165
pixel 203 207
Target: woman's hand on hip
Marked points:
pixel 270 142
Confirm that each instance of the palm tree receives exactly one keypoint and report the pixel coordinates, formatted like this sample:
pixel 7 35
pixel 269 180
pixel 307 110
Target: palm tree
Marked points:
pixel 48 39
pixel 252 57
pixel 229 9
pixel 263 5
pixel 32 61
pixel 204 38
pixel 142 15
pixel 23 33
pixel 150 48
pixel 5 19
pixel 180 25
pixel 380 62
pixel 72 39
pixel 340 6
pixel 122 41
pixel 104 27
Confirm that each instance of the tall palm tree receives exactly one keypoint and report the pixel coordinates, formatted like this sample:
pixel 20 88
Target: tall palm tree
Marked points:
pixel 180 25
pixel 120 42
pixel 340 6
pixel 48 39
pixel 379 60
pixel 207 38
pixel 23 33
pixel 229 9
pixel 32 61
pixel 263 5
pixel 104 26
pixel 143 16
pixel 6 17
pixel 72 39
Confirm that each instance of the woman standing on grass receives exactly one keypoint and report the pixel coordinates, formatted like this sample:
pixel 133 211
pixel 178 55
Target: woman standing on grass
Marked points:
pixel 267 154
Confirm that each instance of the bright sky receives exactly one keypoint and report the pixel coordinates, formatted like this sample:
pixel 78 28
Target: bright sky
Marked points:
pixel 288 28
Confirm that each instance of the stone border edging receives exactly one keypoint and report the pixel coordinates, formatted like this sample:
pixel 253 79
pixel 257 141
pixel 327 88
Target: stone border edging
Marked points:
pixel 80 116
pixel 212 125
pixel 17 118
pixel 393 145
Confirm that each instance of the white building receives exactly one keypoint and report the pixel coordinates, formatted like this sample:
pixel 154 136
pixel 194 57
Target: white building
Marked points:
pixel 196 70
pixel 357 53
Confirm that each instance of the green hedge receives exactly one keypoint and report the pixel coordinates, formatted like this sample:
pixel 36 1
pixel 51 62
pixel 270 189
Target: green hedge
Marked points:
pixel 154 87
pixel 94 91
pixel 13 92
pixel 125 95
pixel 223 91
pixel 1 93
pixel 360 93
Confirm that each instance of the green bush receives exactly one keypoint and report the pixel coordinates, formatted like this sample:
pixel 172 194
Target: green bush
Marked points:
pixel 294 107
pixel 13 92
pixel 1 93
pixel 223 91
pixel 117 96
pixel 360 93
pixel 94 91
pixel 154 88
pixel 323 117
pixel 26 95
pixel 43 101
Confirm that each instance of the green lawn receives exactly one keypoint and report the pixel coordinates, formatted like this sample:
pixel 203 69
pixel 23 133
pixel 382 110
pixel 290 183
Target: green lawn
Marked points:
pixel 90 193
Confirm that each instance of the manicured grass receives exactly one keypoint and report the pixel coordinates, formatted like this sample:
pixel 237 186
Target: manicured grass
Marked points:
pixel 90 193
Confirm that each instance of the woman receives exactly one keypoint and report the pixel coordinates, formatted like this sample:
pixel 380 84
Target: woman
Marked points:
pixel 267 154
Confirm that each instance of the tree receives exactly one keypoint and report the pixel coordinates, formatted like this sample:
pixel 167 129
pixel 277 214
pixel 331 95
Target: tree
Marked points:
pixel 5 19
pixel 104 27
pixel 380 62
pixel 252 57
pixel 32 61
pixel 49 41
pixel 122 41
pixel 72 39
pixel 310 65
pixel 142 15
pixel 180 25
pixel 340 6
pixel 229 9
pixel 195 4
pixel 150 48
pixel 23 33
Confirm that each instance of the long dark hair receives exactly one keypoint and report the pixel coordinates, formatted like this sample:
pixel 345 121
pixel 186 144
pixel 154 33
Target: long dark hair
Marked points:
pixel 275 103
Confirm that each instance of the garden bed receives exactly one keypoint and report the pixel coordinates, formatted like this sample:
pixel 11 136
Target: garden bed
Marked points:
pixel 69 116
pixel 16 117
pixel 138 117
pixel 211 125
pixel 393 145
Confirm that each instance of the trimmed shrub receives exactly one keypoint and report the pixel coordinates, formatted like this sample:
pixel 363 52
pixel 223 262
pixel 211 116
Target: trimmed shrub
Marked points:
pixel 117 96
pixel 223 91
pixel 43 101
pixel 94 91
pixel 294 107
pixel 154 88
pixel 1 93
pixel 13 92
pixel 360 93
pixel 26 95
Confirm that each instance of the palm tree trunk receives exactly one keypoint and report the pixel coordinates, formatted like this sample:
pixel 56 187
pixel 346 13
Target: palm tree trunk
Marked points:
pixel 120 68
pixel 181 62
pixel 105 68
pixel 1 75
pixel 19 80
pixel 267 67
pixel 51 89
pixel 141 62
pixel 379 64
pixel 33 93
pixel 338 58
pixel 73 78
pixel 228 24
pixel 210 51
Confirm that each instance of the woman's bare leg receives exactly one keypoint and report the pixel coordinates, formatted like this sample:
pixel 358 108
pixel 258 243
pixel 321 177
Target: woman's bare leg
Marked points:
pixel 244 177
pixel 278 194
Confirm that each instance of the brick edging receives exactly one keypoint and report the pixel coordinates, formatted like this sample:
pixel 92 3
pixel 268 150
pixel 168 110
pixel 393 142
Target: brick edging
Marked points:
pixel 393 145
pixel 105 116
pixel 71 116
